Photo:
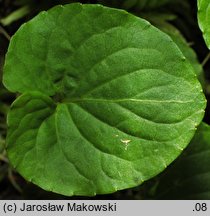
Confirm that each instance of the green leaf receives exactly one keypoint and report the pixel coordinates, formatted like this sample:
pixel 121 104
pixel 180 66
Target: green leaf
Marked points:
pixel 189 177
pixel 204 19
pixel 108 101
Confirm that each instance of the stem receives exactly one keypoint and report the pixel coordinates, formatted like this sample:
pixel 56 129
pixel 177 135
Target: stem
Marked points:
pixel 6 35
pixel 15 15
pixel 206 60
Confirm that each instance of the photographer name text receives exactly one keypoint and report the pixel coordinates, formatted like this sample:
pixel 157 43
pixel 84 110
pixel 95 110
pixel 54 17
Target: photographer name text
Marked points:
pixel 69 207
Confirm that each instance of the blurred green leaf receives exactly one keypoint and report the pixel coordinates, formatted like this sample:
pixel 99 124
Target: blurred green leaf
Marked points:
pixel 189 176
pixel 204 19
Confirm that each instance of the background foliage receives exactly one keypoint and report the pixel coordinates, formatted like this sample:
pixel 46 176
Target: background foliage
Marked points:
pixel 177 18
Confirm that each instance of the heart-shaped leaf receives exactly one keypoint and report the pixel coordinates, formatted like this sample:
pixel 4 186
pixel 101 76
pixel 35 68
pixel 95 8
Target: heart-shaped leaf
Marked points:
pixel 108 100
pixel 204 19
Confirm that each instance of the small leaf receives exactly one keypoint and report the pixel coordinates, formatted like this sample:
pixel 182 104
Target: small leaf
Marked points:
pixel 108 101
pixel 204 19
pixel 189 176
